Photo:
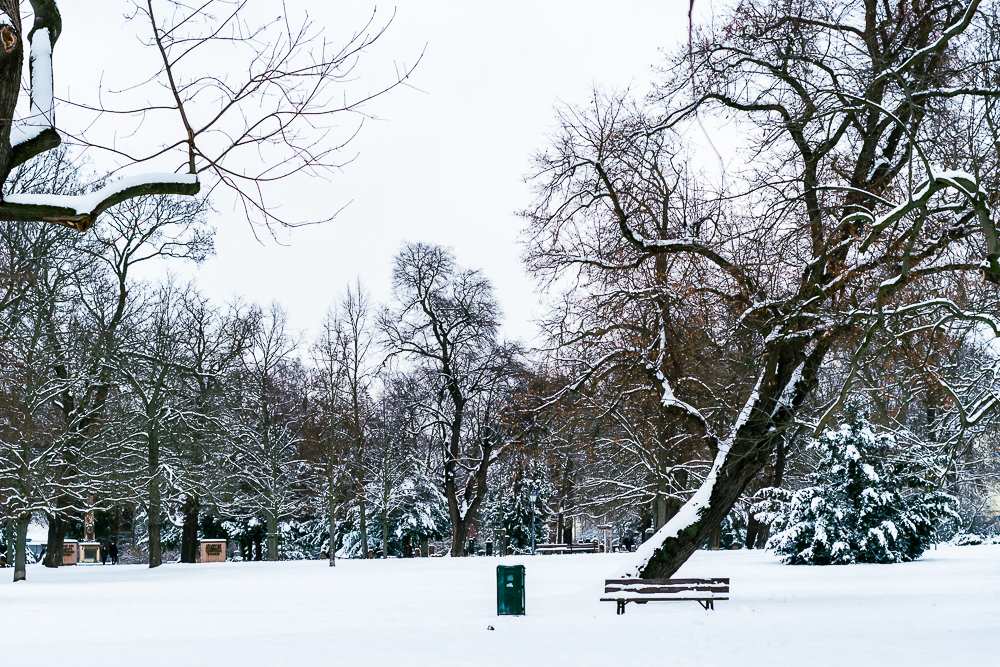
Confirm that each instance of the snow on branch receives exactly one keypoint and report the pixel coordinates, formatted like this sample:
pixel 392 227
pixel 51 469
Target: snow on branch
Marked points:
pixel 80 211
pixel 966 185
pixel 38 134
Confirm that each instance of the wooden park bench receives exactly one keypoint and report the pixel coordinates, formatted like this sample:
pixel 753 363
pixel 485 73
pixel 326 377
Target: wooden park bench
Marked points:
pixel 703 591
pixel 583 547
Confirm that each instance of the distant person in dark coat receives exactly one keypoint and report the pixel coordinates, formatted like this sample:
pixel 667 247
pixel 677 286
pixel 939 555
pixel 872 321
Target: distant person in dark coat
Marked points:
pixel 104 554
pixel 113 553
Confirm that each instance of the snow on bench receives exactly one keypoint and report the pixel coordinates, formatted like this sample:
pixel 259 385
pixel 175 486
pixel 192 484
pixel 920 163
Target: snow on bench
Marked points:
pixel 703 591
pixel 580 547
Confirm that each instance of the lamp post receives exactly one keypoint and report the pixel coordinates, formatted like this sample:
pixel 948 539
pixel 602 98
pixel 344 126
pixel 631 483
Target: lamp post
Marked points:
pixel 533 496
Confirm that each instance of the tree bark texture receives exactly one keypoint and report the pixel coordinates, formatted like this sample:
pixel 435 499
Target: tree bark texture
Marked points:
pixel 54 541
pixel 20 548
pixel 189 534
pixel 331 519
pixel 272 537
pixel 385 533
pixel 364 526
pixel 10 540
pixel 744 456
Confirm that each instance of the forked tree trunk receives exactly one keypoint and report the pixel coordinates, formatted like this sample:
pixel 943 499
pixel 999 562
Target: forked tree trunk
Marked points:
pixel 189 534
pixel 20 548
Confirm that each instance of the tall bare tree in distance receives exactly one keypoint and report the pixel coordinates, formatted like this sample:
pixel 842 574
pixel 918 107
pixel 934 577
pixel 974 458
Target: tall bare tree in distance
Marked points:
pixel 445 320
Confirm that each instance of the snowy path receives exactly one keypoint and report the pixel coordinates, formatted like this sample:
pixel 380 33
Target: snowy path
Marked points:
pixel 942 610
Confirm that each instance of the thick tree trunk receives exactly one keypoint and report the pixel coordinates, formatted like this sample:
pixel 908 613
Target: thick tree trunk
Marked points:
pixel 272 538
pixel 659 511
pixel 20 548
pixel 189 534
pixel 753 529
pixel 424 548
pixel 715 538
pixel 258 551
pixel 407 547
pixel 54 543
pixel 11 57
pixel 740 459
pixel 459 538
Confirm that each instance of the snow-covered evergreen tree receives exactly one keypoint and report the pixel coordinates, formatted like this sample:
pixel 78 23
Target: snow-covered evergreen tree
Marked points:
pixel 871 502
pixel 508 506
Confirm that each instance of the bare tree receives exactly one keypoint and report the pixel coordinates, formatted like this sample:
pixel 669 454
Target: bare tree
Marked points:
pixel 854 227
pixel 446 321
pixel 271 117
pixel 272 474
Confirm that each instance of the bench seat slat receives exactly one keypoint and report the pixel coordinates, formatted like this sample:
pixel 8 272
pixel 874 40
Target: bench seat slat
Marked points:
pixel 703 591
pixel 668 582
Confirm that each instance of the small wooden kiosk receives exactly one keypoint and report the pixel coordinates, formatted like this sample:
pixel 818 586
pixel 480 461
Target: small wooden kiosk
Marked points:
pixel 89 552
pixel 213 551
pixel 70 552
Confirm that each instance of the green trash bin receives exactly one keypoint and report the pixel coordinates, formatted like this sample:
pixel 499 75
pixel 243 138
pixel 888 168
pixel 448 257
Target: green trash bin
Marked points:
pixel 510 590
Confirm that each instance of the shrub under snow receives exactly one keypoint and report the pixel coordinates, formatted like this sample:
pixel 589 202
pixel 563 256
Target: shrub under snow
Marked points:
pixel 870 503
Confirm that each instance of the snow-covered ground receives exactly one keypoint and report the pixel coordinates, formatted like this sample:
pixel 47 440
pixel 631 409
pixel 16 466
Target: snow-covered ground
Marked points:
pixel 941 610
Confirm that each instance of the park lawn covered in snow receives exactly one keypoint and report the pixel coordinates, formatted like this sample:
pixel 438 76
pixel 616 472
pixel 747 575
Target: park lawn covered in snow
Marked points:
pixel 941 610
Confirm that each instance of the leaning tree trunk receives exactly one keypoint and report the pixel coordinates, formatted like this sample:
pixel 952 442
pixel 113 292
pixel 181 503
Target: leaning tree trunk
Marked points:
pixel 786 372
pixel 189 534
pixel 20 548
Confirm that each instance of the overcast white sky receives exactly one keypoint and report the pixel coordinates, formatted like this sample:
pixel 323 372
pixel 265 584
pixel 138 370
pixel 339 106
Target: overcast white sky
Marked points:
pixel 445 162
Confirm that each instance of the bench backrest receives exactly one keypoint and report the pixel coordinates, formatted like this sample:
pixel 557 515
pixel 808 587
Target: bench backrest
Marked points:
pixel 667 586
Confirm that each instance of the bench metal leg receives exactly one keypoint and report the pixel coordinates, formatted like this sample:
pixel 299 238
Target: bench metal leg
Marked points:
pixel 621 607
pixel 707 604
